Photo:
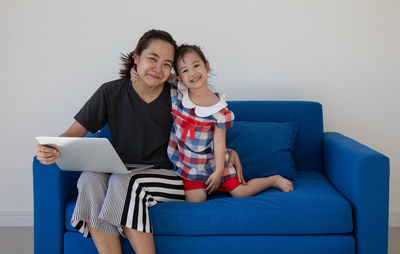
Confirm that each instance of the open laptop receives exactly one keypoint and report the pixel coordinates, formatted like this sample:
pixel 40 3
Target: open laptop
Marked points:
pixel 88 154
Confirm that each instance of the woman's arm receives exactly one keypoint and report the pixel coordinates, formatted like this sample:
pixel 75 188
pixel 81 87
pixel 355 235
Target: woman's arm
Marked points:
pixel 76 130
pixel 235 161
pixel 219 140
pixel 47 155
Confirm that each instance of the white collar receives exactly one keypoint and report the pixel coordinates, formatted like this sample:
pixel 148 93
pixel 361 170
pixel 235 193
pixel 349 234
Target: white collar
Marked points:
pixel 200 110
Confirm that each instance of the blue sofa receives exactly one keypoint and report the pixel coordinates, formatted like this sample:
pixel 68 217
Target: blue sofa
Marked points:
pixel 339 206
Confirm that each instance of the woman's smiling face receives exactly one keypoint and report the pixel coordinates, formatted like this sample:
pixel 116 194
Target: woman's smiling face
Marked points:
pixel 155 63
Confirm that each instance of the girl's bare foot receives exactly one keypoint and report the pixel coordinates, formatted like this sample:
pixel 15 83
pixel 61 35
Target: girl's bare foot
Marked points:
pixel 282 183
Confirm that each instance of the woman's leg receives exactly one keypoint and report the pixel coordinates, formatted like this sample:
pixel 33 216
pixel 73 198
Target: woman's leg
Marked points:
pixel 92 189
pixel 105 243
pixel 129 197
pixel 142 243
pixel 257 185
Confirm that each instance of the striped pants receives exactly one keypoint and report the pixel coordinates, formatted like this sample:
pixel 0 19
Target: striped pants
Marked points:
pixel 110 201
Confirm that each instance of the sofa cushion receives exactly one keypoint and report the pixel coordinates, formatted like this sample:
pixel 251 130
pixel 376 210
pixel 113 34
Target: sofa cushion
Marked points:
pixel 314 207
pixel 264 148
pixel 308 149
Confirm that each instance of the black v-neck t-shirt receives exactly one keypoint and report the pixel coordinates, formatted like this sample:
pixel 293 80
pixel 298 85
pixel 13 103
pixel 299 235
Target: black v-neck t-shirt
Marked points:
pixel 139 130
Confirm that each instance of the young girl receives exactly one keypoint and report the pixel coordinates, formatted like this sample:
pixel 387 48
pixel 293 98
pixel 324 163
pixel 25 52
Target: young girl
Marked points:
pixel 197 145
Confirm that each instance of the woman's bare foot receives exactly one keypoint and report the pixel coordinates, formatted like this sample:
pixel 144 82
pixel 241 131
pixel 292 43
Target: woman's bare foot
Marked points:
pixel 282 183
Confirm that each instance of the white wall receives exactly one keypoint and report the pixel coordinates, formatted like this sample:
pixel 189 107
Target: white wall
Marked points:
pixel 342 53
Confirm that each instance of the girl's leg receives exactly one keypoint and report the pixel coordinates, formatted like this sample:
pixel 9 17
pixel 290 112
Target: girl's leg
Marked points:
pixel 142 243
pixel 105 243
pixel 196 195
pixel 257 185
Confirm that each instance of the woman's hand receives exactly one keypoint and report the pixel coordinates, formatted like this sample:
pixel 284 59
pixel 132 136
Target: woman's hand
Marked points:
pixel 213 182
pixel 235 161
pixel 46 155
pixel 134 75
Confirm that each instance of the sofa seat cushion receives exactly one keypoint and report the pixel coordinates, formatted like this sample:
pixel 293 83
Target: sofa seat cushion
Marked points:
pixel 315 207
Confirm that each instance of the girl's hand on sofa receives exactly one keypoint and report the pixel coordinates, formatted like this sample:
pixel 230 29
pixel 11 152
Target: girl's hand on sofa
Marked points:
pixel 235 161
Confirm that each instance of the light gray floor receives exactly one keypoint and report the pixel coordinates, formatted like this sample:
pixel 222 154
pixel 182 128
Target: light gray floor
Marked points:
pixel 16 240
pixel 394 240
pixel 19 240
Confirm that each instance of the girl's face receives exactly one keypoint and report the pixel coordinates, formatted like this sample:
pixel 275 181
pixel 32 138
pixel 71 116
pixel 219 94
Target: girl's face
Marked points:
pixel 155 63
pixel 193 72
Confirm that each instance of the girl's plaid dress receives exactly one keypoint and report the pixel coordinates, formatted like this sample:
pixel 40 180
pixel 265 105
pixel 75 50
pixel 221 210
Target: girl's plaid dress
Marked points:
pixel 190 145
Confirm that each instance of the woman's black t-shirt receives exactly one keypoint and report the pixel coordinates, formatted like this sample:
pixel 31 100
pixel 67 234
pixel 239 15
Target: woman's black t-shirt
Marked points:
pixel 139 130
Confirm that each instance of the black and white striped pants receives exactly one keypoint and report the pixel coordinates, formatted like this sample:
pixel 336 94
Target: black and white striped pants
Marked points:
pixel 110 201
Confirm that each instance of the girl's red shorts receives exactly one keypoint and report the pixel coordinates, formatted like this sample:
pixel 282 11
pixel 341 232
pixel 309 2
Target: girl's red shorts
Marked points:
pixel 226 186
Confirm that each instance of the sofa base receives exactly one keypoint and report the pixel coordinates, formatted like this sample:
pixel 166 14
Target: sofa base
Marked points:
pixel 274 244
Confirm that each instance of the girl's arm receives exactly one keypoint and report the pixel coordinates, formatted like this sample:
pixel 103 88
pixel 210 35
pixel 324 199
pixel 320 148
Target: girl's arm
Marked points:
pixel 219 148
pixel 219 140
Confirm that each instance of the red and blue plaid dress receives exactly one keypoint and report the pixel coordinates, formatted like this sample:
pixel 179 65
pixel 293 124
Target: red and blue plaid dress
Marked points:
pixel 190 145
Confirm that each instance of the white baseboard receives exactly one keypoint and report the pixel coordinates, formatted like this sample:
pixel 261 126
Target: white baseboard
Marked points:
pixel 16 219
pixel 25 219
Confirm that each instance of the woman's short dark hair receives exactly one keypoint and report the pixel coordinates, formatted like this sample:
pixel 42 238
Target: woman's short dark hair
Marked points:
pixel 144 42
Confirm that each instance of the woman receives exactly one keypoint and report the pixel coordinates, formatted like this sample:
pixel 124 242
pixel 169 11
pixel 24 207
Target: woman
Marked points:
pixel 139 119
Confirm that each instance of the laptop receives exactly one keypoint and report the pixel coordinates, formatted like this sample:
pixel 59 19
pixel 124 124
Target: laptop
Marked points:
pixel 89 154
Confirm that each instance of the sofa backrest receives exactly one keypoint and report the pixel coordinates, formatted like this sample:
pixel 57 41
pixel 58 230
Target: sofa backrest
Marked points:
pixel 308 147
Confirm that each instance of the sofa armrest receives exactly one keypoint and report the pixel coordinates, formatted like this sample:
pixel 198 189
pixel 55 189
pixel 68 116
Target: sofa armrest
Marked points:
pixel 361 175
pixel 51 190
